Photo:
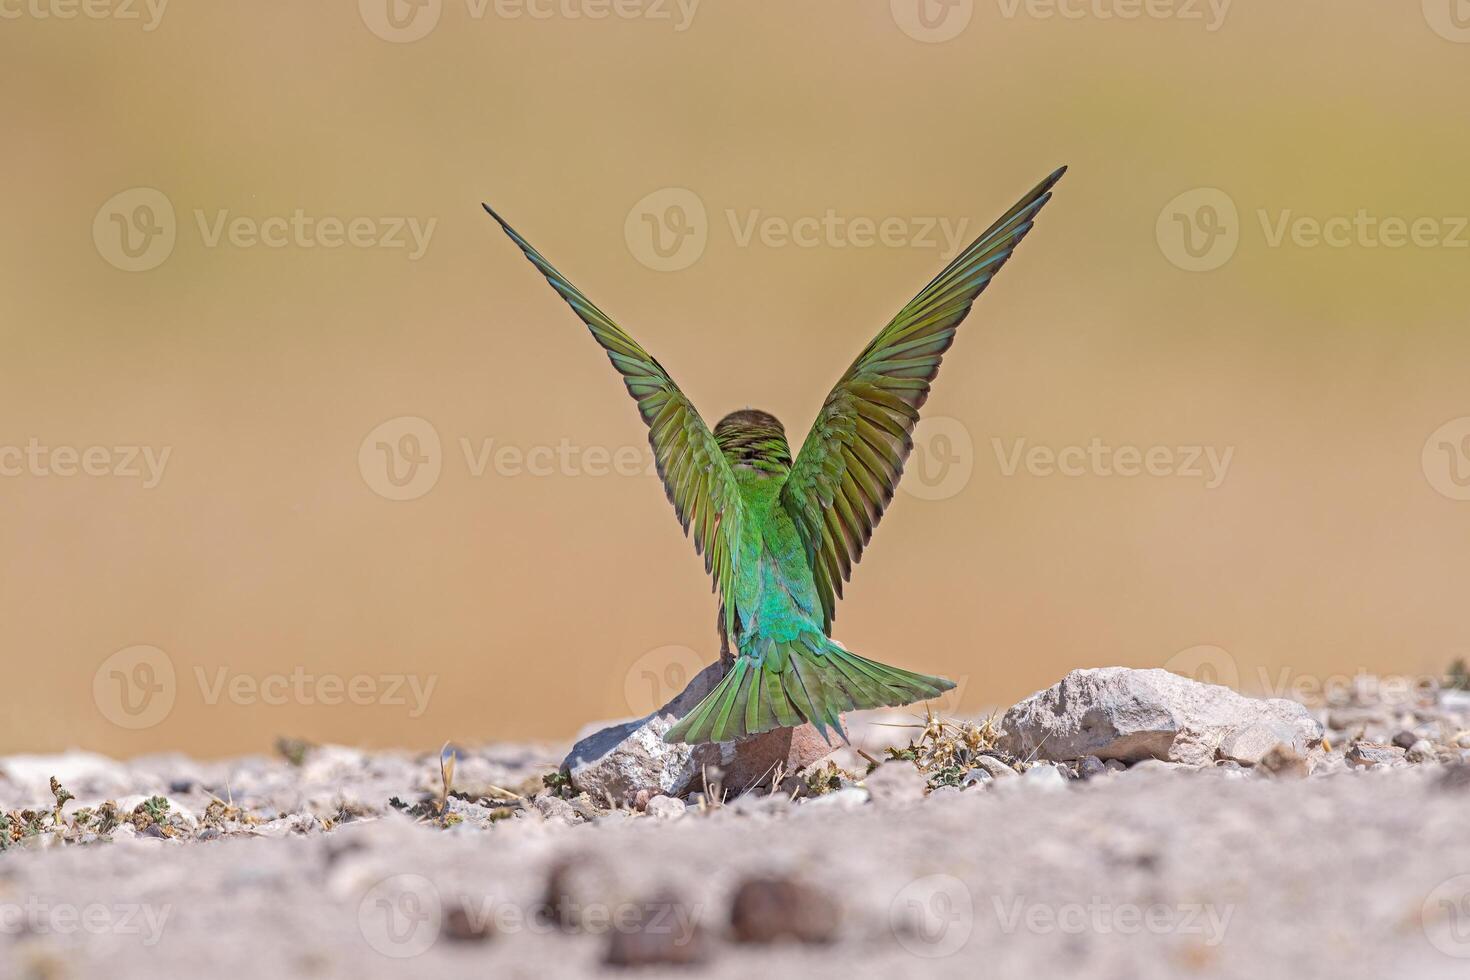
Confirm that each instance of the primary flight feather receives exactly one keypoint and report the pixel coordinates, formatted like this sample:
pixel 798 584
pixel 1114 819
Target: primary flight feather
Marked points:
pixel 780 535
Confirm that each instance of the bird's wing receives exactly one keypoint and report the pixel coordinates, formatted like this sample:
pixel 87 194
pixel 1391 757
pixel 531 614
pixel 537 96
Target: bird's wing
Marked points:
pixel 852 459
pixel 696 475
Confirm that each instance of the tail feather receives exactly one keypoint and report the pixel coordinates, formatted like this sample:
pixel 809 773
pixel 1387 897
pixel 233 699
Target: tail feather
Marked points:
pixel 802 681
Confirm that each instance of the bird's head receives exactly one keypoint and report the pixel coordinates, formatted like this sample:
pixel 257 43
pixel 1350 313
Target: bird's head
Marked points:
pixel 755 440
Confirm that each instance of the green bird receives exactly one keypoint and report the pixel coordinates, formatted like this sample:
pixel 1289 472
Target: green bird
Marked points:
pixel 780 534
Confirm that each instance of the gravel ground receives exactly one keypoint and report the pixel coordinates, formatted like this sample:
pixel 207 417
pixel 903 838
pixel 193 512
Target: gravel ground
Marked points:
pixel 299 866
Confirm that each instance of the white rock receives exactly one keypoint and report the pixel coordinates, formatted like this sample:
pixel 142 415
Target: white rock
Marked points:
pixel 1131 715
pixel 1044 777
pixel 895 783
pixel 1422 751
pixel 994 767
pixel 616 763
pixel 1366 756
pixel 849 798
pixel 665 808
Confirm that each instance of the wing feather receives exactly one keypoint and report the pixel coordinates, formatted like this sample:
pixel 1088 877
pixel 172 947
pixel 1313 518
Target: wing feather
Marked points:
pixel 696 476
pixel 845 475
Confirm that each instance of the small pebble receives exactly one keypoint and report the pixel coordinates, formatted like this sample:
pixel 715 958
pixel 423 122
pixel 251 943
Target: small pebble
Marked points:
pixel 667 933
pixel 994 766
pixel 1044 777
pixel 771 909
pixel 664 808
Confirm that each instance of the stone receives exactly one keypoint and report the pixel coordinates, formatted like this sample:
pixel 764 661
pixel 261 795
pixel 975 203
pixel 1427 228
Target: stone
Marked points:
pixel 994 767
pixel 1422 751
pixel 664 808
pixel 1285 762
pixel 1044 777
pixel 463 924
pixel 1249 745
pixel 1161 765
pixel 774 909
pixel 556 810
pixel 1366 756
pixel 618 762
pixel 847 798
pixel 895 783
pixel 1405 739
pixel 666 933
pixel 1456 778
pixel 1090 767
pixel 1131 715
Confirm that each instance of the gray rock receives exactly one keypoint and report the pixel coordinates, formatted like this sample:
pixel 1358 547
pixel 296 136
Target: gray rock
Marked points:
pixel 1131 715
pixel 1090 766
pixel 975 777
pixel 664 808
pixel 556 809
pixel 848 798
pixel 1421 751
pixel 896 783
pixel 994 767
pixel 1249 745
pixel 1044 777
pixel 1286 762
pixel 618 762
pixel 1366 756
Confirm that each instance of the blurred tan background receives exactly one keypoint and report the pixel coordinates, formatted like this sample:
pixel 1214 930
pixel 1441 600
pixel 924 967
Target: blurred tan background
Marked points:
pixel 259 580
